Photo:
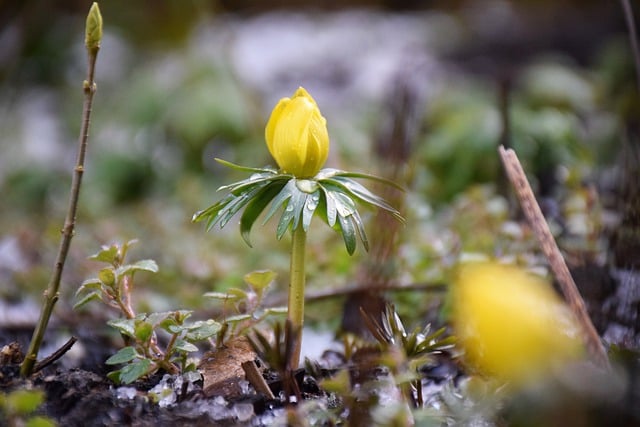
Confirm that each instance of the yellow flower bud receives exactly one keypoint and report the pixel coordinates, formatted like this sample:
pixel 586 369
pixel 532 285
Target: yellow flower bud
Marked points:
pixel 511 324
pixel 297 136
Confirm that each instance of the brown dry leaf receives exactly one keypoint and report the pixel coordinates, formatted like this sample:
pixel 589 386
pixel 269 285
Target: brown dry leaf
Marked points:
pixel 222 368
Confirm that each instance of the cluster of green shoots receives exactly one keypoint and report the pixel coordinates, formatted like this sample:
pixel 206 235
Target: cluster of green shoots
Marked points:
pixel 143 355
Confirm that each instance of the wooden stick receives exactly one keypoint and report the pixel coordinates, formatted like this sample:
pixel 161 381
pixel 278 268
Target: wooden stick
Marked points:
pixel 548 244
pixel 256 379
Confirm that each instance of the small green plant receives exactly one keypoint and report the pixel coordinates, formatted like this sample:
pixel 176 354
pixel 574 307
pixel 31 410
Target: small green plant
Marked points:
pixel 405 352
pixel 143 354
pixel 17 409
pixel 246 305
pixel 297 138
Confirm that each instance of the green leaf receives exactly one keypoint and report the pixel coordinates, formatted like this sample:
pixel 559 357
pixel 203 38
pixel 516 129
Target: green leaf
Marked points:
pixel 107 276
pixel 292 211
pixel 40 421
pixel 142 265
pixel 202 330
pixel 24 402
pixel 135 370
pixel 89 284
pixel 125 249
pixel 184 346
pixel 143 331
pixel 124 355
pixel 260 279
pixel 331 209
pixel 125 326
pixel 310 206
pixel 280 199
pixel 348 233
pixel 357 190
pixel 221 296
pixel 106 254
pixel 332 173
pixel 277 311
pixel 238 318
pixel 241 201
pixel 255 208
pixel 244 168
pixel 357 221
pixel 91 296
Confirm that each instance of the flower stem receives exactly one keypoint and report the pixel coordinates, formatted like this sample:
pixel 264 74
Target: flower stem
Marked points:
pixel 296 293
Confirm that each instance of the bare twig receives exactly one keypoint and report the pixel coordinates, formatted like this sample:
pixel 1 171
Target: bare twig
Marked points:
pixel 51 295
pixel 55 355
pixel 552 252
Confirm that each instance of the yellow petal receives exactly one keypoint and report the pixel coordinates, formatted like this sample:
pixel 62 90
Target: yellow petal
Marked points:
pixel 297 136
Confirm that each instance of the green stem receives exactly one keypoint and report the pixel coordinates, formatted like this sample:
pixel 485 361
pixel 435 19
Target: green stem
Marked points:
pixel 296 293
pixel 51 295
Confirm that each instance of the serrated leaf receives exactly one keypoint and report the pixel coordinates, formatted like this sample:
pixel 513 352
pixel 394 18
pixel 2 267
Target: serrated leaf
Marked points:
pixel 91 296
pixel 260 279
pixel 184 346
pixel 124 355
pixel 255 208
pixel 135 370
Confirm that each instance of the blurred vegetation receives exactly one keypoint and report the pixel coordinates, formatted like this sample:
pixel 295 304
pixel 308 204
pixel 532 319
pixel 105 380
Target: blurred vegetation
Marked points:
pixel 172 94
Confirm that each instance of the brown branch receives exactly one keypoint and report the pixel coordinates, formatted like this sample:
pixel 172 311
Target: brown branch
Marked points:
pixel 51 295
pixel 550 249
pixel 55 355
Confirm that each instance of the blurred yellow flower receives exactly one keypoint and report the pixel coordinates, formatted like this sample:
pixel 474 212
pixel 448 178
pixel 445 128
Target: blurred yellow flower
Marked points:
pixel 297 136
pixel 511 324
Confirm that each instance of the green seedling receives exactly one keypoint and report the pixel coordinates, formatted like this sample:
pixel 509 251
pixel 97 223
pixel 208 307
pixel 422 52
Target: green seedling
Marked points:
pixel 246 305
pixel 142 355
pixel 405 352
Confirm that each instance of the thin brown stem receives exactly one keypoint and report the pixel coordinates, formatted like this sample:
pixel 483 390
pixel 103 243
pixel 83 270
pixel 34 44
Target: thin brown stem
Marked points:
pixel 550 249
pixel 51 294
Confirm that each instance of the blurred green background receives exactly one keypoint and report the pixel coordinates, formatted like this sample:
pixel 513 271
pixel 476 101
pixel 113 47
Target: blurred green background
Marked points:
pixel 182 82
